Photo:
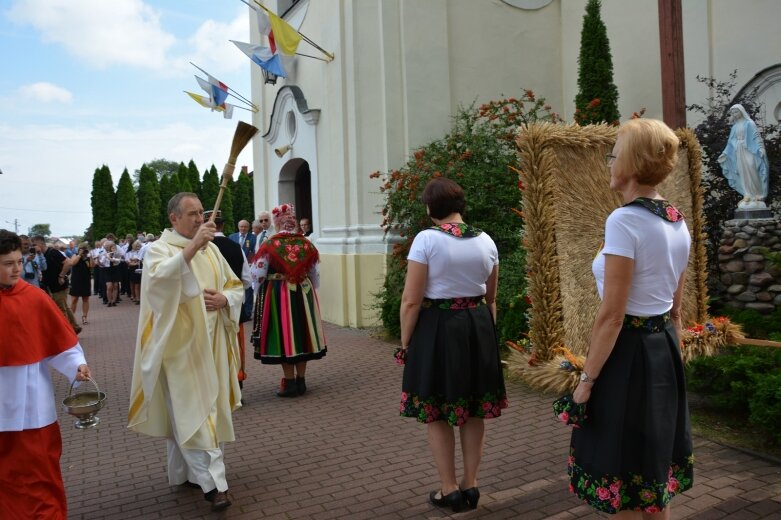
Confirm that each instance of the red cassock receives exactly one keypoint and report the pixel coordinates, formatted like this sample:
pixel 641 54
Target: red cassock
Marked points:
pixel 33 329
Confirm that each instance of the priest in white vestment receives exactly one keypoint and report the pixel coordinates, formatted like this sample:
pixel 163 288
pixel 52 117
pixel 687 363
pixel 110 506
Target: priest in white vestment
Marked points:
pixel 185 374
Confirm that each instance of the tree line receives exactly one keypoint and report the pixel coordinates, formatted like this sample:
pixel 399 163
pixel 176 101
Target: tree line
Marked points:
pixel 140 203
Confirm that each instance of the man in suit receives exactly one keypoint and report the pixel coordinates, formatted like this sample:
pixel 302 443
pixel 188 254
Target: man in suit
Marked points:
pixel 231 251
pixel 244 238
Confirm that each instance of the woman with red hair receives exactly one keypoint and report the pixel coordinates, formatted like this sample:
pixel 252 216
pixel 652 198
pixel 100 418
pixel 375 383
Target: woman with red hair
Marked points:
pixel 287 329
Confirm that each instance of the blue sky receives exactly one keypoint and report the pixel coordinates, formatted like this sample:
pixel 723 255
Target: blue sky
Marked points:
pixel 90 82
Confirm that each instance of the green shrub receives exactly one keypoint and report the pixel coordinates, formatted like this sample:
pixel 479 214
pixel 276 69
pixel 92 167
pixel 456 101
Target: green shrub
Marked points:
pixel 511 301
pixel 744 382
pixel 728 379
pixel 479 154
pixel 754 324
pixel 765 405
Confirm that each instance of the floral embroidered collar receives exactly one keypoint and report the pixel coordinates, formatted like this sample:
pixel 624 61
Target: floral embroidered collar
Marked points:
pixel 658 207
pixel 459 230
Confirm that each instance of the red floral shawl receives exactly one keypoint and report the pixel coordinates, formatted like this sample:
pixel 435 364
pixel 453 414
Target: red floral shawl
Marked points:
pixel 290 254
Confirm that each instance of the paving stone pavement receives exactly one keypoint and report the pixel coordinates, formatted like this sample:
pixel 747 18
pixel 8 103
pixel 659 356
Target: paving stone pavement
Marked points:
pixel 342 451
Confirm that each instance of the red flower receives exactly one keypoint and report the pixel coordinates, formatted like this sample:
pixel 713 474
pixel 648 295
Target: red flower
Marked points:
pixel 603 493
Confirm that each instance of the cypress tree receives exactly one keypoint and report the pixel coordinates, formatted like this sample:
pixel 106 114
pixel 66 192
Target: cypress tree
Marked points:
pixel 103 201
pixel 597 99
pixel 184 178
pixel 227 209
pixel 168 188
pixel 148 195
pixel 243 207
pixel 210 187
pixel 194 176
pixel 127 206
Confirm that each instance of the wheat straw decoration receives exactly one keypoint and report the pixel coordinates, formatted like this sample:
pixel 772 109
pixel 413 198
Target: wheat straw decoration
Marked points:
pixel 566 201
pixel 242 136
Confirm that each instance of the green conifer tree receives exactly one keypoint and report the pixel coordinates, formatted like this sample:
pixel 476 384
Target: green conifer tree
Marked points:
pixel 194 176
pixel 597 99
pixel 103 200
pixel 227 209
pixel 210 187
pixel 243 207
pixel 150 219
pixel 184 178
pixel 127 206
pixel 168 188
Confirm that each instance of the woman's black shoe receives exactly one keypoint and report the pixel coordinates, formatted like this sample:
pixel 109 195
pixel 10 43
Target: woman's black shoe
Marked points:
pixel 301 384
pixel 454 500
pixel 288 388
pixel 471 496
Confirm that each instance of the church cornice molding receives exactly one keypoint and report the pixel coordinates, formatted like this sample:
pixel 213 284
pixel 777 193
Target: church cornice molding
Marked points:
pixel 289 95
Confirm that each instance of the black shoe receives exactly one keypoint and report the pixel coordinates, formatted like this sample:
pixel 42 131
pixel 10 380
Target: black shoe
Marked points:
pixel 288 388
pixel 471 497
pixel 454 500
pixel 301 383
pixel 220 501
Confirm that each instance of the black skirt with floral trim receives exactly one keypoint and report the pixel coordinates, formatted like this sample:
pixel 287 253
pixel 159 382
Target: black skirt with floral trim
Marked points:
pixel 453 369
pixel 634 450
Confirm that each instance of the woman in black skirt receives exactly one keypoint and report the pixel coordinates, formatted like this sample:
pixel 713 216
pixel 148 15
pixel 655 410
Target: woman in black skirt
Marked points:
pixel 80 281
pixel 453 374
pixel 113 272
pixel 633 452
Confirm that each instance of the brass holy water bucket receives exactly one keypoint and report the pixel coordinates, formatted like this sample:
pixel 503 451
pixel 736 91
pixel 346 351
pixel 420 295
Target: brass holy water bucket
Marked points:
pixel 84 406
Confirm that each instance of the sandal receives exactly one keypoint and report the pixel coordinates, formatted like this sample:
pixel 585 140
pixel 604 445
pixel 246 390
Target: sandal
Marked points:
pixel 83 320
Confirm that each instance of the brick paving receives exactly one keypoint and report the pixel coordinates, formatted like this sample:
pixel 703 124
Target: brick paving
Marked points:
pixel 342 451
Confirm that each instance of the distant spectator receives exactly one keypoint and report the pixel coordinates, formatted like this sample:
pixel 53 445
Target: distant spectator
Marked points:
pixel 80 281
pixel 305 226
pixel 264 218
pixel 55 278
pixel 113 257
pixel 133 259
pixel 34 263
pixel 71 249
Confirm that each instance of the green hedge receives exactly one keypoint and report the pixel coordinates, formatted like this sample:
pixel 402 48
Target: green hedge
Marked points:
pixel 742 381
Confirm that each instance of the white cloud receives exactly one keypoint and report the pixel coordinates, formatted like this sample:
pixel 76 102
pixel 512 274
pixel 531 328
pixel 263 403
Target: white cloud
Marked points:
pixel 45 93
pixel 103 33
pixel 210 48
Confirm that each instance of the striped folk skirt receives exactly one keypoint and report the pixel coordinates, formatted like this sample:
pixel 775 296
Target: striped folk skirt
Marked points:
pixel 286 326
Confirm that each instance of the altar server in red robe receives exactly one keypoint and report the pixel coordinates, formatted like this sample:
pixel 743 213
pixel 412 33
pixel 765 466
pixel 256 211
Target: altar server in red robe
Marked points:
pixel 35 337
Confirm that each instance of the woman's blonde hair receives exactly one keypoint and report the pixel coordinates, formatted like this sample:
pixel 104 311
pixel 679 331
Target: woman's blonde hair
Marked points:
pixel 650 150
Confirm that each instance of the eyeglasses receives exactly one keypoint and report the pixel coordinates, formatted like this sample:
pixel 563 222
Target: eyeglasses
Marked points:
pixel 609 158
pixel 264 220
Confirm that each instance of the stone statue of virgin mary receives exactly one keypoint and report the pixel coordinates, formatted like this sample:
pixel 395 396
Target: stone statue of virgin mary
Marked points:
pixel 744 162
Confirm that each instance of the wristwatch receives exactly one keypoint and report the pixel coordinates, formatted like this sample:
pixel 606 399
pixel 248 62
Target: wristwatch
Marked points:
pixel 585 378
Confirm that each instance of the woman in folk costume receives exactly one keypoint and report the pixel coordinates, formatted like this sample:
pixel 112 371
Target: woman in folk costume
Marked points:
pixel 31 343
pixel 287 327
pixel 633 453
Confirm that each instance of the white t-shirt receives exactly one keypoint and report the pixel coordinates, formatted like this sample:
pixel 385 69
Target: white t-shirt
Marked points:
pixel 457 267
pixel 660 250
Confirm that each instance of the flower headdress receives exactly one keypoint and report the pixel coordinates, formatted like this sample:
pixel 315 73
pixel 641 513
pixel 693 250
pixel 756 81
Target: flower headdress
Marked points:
pixel 284 217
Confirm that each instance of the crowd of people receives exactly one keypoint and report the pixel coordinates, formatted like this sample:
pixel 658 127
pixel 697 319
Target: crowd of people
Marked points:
pixel 630 455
